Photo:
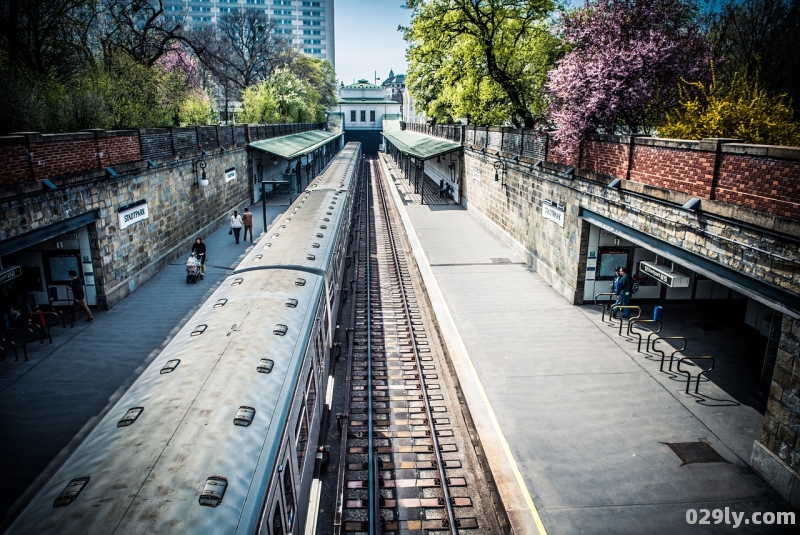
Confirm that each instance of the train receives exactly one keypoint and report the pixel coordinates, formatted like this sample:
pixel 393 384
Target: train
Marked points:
pixel 220 433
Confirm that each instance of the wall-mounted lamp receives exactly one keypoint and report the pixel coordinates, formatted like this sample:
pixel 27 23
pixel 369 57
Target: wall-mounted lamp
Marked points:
pixel 452 166
pixel 200 163
pixel 499 166
pixel 274 160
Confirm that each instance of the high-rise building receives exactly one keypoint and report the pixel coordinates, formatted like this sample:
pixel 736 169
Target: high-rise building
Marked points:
pixel 307 24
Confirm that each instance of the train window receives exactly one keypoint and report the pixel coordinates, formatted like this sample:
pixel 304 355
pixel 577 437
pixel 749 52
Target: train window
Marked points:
pixel 311 396
pixel 277 521
pixel 200 329
pixel 280 330
pixel 291 303
pixel 71 491
pixel 130 416
pixel 244 416
pixel 288 496
pixel 265 366
pixel 213 491
pixel 302 436
pixel 170 366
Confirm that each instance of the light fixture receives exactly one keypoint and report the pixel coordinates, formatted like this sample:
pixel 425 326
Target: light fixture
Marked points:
pixel 200 163
pixel 274 160
pixel 499 165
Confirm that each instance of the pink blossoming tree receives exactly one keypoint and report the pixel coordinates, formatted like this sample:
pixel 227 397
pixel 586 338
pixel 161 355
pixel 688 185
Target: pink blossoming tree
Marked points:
pixel 624 62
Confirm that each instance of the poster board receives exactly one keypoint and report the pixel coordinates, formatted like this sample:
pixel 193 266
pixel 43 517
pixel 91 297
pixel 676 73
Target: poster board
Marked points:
pixel 609 259
pixel 60 264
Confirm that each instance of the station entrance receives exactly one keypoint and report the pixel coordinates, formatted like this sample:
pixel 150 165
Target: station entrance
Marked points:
pixel 727 318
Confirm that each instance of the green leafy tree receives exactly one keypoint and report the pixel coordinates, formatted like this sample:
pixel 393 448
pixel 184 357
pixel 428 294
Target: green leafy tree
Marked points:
pixel 196 109
pixel 320 74
pixel 486 60
pixel 741 109
pixel 297 100
pixel 259 105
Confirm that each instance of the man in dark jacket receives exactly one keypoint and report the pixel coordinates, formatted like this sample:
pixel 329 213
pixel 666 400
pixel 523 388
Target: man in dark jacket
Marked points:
pixel 79 296
pixel 624 286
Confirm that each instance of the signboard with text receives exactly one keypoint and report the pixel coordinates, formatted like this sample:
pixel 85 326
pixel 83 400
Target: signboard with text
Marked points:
pixel 133 215
pixel 553 212
pixel 230 174
pixel 664 275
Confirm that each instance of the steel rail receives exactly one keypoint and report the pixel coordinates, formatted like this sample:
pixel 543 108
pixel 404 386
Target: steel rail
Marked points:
pixel 345 425
pixel 448 503
pixel 370 446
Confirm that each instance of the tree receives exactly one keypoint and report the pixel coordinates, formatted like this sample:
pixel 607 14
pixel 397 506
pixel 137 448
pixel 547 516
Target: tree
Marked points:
pixel 137 28
pixel 45 37
pixel 623 68
pixel 467 57
pixel 196 109
pixel 318 73
pixel 240 51
pixel 742 109
pixel 759 36
pixel 258 104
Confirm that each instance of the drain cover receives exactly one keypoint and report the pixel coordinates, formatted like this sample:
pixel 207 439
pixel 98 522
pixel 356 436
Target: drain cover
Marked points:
pixel 501 260
pixel 695 452
pixel 707 326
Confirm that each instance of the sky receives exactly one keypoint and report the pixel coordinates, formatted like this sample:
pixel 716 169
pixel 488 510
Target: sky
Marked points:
pixel 367 39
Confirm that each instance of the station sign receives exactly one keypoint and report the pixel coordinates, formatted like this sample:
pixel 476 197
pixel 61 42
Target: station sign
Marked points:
pixel 10 273
pixel 130 214
pixel 554 212
pixel 673 279
pixel 230 174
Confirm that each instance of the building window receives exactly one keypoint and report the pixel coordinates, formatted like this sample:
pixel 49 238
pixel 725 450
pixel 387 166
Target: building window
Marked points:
pixel 312 32
pixel 352 116
pixel 311 4
pixel 372 116
pixel 281 11
pixel 363 116
pixel 312 23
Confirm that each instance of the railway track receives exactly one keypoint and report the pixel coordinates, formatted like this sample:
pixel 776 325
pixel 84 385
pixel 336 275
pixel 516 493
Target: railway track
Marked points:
pixel 406 463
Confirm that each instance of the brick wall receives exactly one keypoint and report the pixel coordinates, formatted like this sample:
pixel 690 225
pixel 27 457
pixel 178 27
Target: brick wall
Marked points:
pixel 679 169
pixel 763 178
pixel 764 184
pixel 28 157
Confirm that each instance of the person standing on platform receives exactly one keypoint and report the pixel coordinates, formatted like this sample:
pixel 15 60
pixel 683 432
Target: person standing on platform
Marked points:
pixel 625 285
pixel 199 249
pixel 615 289
pixel 236 225
pixel 79 295
pixel 247 220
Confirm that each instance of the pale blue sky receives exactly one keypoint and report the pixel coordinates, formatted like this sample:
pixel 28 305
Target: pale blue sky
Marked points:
pixel 367 39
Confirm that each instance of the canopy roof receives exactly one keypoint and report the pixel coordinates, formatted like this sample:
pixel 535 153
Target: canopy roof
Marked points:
pixel 419 145
pixel 295 145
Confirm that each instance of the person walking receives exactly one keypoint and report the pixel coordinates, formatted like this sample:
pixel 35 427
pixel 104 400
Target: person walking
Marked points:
pixel 236 225
pixel 79 295
pixel 199 249
pixel 247 220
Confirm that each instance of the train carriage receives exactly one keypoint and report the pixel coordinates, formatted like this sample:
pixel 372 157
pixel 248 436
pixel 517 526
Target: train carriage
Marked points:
pixel 219 433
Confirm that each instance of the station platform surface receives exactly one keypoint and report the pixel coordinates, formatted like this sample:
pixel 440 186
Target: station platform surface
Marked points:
pixel 52 401
pixel 574 421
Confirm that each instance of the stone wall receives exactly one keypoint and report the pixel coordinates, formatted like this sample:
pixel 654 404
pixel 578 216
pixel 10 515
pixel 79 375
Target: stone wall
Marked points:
pixel 31 156
pixel 763 178
pixel 179 210
pixel 781 432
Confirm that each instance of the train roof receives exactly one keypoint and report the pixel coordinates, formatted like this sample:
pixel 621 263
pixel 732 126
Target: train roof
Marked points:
pixel 147 477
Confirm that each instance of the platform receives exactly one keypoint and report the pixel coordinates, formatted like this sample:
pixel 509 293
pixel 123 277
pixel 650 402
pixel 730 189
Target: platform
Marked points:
pixel 575 423
pixel 50 403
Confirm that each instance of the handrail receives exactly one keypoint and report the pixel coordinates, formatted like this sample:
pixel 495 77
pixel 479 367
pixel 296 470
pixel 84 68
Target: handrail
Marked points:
pixel 689 374
pixel 615 308
pixel 632 323
pixel 672 356
pixel 603 306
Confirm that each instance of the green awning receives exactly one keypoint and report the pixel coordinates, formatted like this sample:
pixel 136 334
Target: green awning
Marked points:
pixel 419 145
pixel 295 145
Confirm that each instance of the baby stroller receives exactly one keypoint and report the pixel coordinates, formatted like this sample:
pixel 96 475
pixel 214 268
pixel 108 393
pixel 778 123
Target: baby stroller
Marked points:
pixel 193 271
